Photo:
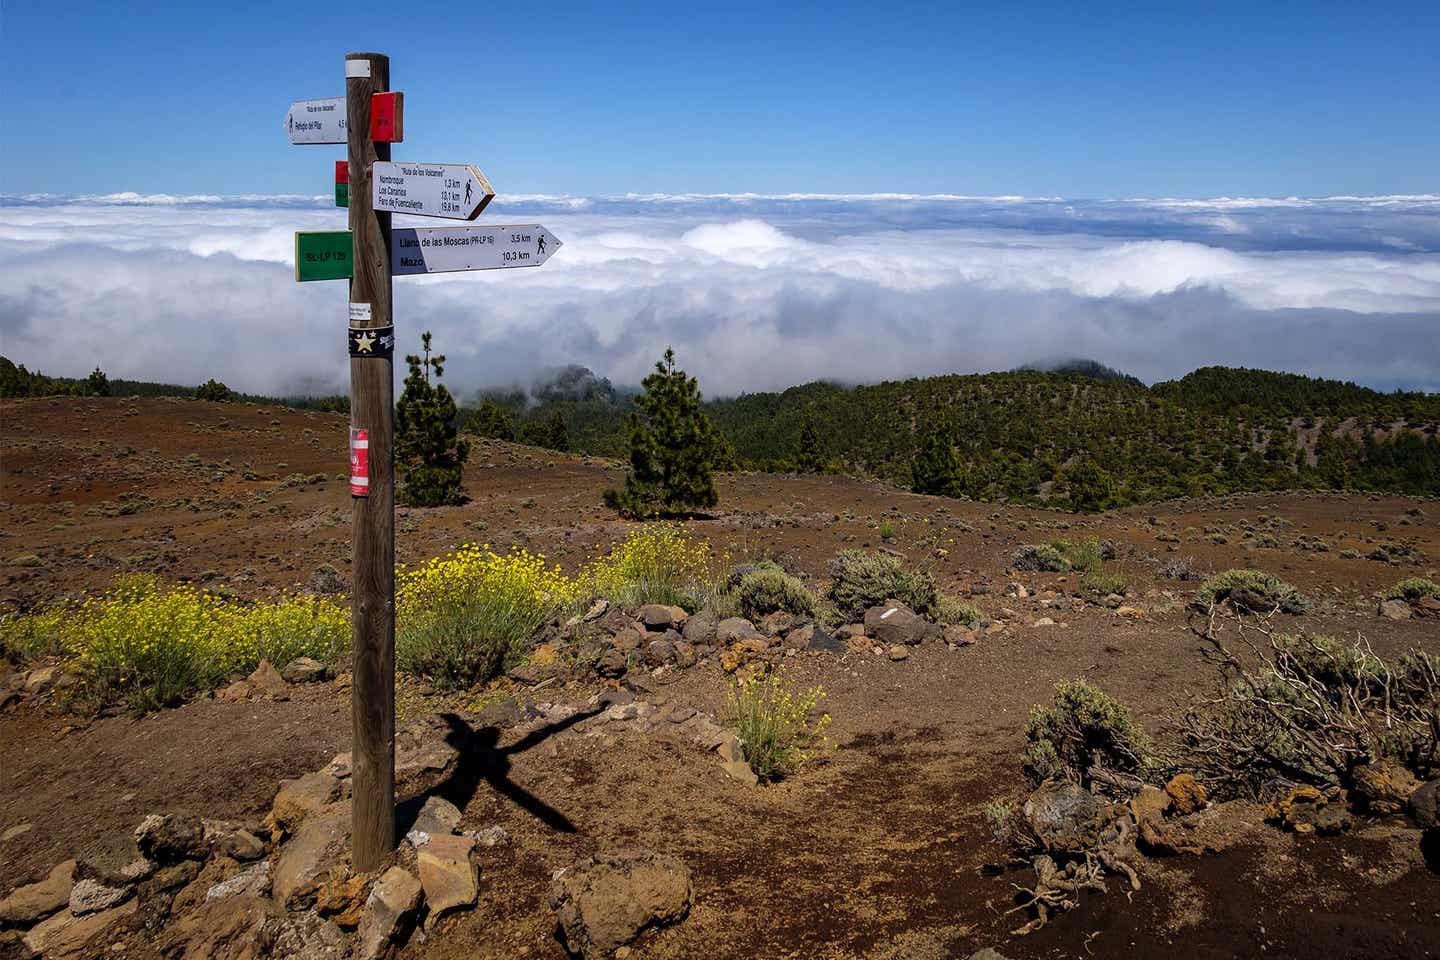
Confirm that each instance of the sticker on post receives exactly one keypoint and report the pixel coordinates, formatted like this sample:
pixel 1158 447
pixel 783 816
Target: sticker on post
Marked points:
pixel 378 342
pixel 359 462
pixel 357 68
pixel 360 312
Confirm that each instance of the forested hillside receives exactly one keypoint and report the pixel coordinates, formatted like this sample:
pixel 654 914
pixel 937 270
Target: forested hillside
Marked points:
pixel 1076 440
pixel 1252 393
pixel 1064 439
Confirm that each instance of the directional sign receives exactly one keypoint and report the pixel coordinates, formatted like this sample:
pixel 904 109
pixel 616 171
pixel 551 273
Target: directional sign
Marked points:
pixel 316 121
pixel 454 190
pixel 488 247
pixel 323 121
pixel 324 255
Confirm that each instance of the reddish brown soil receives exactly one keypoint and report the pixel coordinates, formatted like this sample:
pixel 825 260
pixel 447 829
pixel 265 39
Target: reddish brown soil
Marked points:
pixel 876 851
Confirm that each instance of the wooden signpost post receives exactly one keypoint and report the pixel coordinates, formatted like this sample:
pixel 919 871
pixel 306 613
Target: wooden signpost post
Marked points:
pixel 368 119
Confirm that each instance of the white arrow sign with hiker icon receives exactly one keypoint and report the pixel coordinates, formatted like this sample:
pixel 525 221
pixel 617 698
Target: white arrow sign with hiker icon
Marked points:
pixel 488 247
pixel 457 191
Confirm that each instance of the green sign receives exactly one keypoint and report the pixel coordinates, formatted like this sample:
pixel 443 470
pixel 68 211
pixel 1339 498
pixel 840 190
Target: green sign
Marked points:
pixel 342 194
pixel 323 255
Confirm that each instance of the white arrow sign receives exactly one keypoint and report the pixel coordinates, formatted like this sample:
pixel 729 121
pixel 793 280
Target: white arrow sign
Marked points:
pixel 454 190
pixel 316 121
pixel 488 247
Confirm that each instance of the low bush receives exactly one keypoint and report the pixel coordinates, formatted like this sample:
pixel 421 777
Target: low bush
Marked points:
pixel 860 580
pixel 1180 568
pixel 1083 729
pixel 1040 557
pixel 26 636
pixel 1057 556
pixel 1309 709
pixel 1412 589
pixel 998 816
pixel 768 589
pixel 949 611
pixel 1103 583
pixel 460 646
pixel 1254 591
pixel 462 617
pixel 777 725
pixel 154 646
pixel 658 563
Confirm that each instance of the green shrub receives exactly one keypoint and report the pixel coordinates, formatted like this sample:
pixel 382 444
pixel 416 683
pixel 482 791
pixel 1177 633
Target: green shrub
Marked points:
pixel 1057 556
pixel 887 530
pixel 457 647
pixel 1330 661
pixel 1251 590
pixel 1084 727
pixel 1039 557
pixel 777 725
pixel 1412 589
pixel 1180 568
pixel 769 589
pixel 1080 556
pixel 860 580
pixel 998 815
pixel 1102 583
pixel 25 637
pixel 1309 709
pixel 949 610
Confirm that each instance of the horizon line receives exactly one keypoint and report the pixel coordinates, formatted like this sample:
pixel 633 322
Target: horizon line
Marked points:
pixel 579 201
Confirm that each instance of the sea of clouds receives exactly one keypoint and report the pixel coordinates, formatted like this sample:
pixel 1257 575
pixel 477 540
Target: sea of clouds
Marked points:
pixel 754 292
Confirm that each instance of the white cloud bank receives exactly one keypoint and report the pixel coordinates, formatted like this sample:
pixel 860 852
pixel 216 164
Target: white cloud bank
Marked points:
pixel 755 292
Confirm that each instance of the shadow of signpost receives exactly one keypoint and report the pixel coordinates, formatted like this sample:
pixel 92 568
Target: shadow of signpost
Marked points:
pixel 480 759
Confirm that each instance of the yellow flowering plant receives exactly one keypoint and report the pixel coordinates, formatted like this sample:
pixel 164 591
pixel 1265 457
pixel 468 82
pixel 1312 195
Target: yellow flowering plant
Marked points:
pixel 777 724
pixel 462 617
pixel 154 646
pixel 658 563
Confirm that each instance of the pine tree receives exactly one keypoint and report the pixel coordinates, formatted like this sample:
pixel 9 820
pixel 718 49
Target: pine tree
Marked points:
pixel 557 435
pixel 1090 486
pixel 810 451
pixel 548 432
pixel 493 421
pixel 936 466
pixel 429 456
pixel 213 389
pixel 673 448
pixel 97 384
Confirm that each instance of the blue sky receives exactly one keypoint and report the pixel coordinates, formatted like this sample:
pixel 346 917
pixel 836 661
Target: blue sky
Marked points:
pixel 663 145
pixel 1073 100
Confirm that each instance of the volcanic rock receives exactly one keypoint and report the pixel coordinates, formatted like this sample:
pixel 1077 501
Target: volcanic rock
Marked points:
pixel 389 914
pixel 606 901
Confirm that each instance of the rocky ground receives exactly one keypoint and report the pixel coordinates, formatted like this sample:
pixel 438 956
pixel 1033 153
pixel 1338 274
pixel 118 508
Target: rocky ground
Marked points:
pixel 878 849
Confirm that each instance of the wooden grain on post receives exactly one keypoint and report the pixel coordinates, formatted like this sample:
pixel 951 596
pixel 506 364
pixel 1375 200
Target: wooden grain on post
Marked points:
pixel 372 409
